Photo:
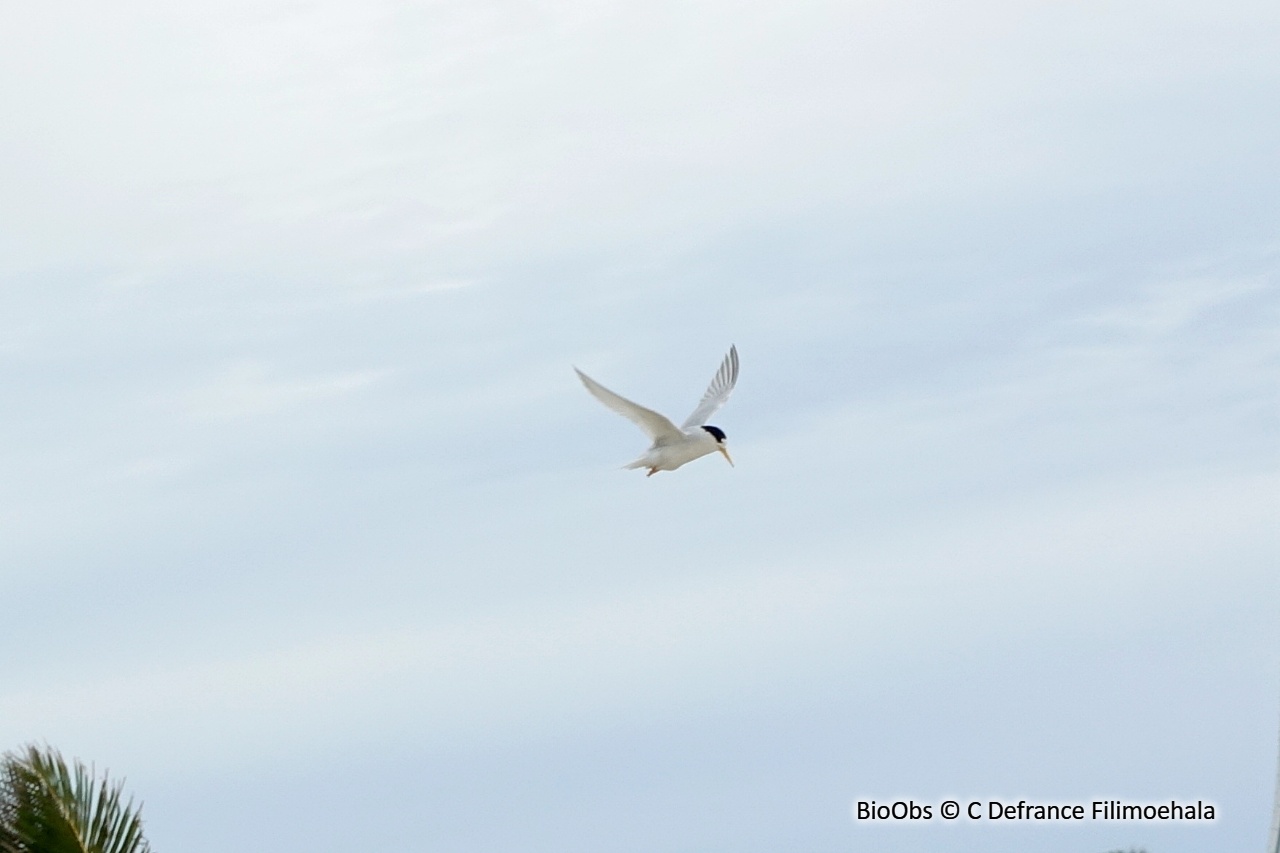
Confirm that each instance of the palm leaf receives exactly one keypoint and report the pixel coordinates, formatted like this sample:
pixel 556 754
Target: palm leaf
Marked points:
pixel 48 807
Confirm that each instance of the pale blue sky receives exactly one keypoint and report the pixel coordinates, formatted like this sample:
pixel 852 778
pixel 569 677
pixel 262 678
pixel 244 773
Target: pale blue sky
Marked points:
pixel 308 529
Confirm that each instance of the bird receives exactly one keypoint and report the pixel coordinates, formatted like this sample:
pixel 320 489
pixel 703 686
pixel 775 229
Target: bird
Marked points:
pixel 673 445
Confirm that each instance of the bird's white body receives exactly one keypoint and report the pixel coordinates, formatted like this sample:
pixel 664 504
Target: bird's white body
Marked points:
pixel 670 455
pixel 673 445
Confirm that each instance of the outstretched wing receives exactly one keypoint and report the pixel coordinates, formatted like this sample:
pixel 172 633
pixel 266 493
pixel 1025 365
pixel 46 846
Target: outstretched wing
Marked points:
pixel 657 427
pixel 717 392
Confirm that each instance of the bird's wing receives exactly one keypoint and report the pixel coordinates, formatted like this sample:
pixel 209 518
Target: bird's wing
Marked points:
pixel 657 427
pixel 717 392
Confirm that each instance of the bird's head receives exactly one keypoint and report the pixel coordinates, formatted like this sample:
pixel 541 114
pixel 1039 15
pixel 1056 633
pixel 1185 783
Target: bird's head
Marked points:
pixel 718 435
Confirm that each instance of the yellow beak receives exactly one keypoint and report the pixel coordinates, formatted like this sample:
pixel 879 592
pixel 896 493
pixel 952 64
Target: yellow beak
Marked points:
pixel 723 450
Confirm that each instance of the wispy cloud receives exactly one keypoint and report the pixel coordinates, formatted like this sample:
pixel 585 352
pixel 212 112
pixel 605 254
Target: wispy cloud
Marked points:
pixel 249 390
pixel 654 649
pixel 289 295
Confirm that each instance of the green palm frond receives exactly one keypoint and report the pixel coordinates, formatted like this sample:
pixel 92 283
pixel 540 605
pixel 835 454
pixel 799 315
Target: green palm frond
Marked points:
pixel 48 807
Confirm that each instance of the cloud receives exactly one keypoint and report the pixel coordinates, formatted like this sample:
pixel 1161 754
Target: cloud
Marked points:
pixel 247 390
pixel 289 294
pixel 1027 572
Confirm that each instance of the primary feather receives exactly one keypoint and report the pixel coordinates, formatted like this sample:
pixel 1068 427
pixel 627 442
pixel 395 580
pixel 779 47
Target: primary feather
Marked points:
pixel 717 392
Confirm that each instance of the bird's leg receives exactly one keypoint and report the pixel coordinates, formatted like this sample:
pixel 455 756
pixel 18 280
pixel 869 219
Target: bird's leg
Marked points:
pixel 652 471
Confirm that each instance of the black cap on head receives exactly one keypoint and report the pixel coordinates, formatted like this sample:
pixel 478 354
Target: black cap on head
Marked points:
pixel 716 433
